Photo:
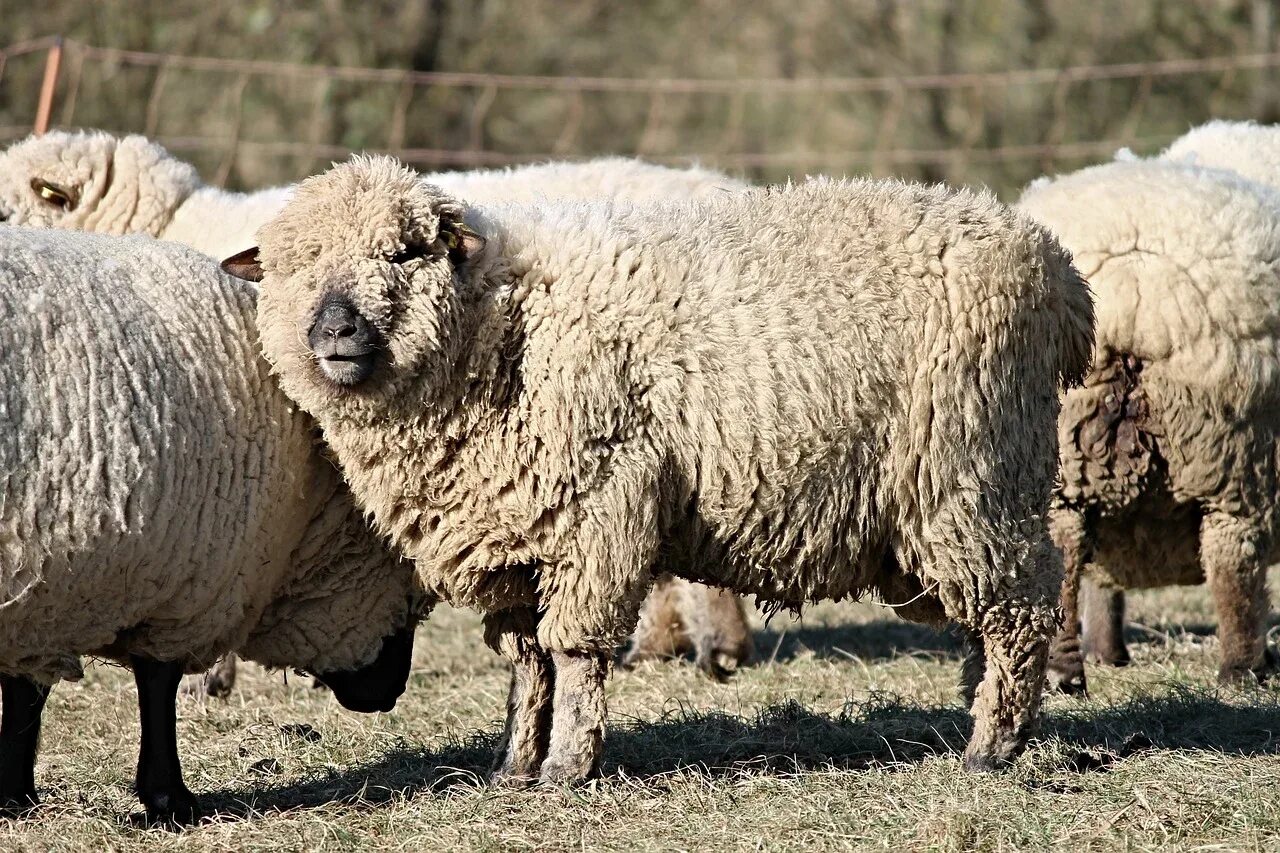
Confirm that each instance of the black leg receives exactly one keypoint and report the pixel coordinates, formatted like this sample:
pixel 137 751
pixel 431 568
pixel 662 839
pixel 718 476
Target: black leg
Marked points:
pixel 21 703
pixel 159 781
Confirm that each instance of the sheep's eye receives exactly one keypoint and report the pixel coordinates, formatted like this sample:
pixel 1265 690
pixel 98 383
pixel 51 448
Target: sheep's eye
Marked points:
pixel 53 194
pixel 409 253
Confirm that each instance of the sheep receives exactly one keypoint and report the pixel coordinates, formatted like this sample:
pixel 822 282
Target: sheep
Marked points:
pixel 1169 452
pixel 806 392
pixel 99 182
pixel 1251 149
pixel 680 616
pixel 162 502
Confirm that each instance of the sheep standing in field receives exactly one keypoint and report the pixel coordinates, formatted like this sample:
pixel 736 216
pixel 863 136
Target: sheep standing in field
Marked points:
pixel 1170 451
pixel 95 181
pixel 162 502
pixel 809 392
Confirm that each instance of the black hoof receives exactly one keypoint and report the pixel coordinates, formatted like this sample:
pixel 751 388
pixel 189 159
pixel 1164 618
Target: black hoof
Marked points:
pixel 981 762
pixel 171 808
pixel 18 805
pixel 1066 669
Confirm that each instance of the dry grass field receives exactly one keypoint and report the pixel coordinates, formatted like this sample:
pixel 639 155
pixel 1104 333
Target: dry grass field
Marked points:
pixel 845 736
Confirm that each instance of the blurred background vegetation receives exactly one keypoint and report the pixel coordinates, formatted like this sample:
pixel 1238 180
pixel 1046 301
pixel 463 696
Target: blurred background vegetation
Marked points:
pixel 276 124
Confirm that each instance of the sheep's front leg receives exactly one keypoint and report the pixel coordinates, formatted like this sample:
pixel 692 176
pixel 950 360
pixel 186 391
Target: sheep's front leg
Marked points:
pixel 1232 552
pixel 21 704
pixel 159 781
pixel 1066 663
pixel 1102 621
pixel 1006 706
pixel 578 718
pixel 513 634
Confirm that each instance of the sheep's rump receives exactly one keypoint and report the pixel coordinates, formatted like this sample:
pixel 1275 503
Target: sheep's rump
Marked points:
pixel 130 390
pixel 1183 403
pixel 836 379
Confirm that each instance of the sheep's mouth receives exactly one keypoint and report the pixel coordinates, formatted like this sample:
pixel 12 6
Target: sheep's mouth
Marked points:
pixel 348 370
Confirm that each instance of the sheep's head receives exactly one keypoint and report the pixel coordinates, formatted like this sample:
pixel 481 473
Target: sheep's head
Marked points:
pixel 359 280
pixel 92 181
pixel 377 685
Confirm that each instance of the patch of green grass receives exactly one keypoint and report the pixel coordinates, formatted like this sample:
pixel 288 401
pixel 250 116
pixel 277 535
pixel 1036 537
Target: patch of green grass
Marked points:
pixel 847 734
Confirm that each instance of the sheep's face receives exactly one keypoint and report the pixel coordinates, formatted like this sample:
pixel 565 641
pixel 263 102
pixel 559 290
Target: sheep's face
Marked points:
pixel 53 181
pixel 359 281
pixel 91 182
pixel 377 685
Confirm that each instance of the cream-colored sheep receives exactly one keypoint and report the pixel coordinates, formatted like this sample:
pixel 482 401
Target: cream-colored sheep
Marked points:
pixel 162 502
pixel 816 391
pixel 1251 149
pixel 94 181
pixel 1169 451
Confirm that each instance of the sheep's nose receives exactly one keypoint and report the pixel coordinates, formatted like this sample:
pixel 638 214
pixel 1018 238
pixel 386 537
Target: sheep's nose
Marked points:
pixel 336 321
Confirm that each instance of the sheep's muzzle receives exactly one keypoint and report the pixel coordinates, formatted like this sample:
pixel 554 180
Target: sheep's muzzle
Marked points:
pixel 345 344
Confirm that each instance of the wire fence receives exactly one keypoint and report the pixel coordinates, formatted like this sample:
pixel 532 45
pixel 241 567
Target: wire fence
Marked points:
pixel 253 122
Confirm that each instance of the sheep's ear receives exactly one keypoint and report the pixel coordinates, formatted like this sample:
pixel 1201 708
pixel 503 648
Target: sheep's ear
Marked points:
pixel 244 265
pixel 463 243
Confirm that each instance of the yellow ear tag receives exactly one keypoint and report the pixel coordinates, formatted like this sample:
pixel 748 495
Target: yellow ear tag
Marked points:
pixel 450 240
pixel 49 194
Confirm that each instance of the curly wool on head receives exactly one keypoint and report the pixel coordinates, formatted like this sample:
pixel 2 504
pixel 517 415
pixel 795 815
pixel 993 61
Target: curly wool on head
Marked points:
pixel 803 392
pixel 1169 456
pixel 158 495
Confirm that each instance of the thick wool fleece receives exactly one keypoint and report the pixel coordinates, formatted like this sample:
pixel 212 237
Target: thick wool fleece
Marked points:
pixel 808 392
pixel 158 495
pixel 616 178
pixel 1251 149
pixel 128 185
pixel 131 185
pixel 1170 452
pixel 124 185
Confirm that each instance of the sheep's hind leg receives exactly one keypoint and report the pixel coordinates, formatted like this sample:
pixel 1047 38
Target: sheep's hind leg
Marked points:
pixel 1102 619
pixel 578 719
pixel 1066 662
pixel 512 634
pixel 159 781
pixel 1231 551
pixel 21 704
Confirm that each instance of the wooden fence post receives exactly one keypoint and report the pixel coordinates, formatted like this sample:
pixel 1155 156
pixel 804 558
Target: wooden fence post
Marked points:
pixel 45 108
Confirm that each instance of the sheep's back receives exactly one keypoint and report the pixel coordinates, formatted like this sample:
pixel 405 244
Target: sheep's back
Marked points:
pixel 144 453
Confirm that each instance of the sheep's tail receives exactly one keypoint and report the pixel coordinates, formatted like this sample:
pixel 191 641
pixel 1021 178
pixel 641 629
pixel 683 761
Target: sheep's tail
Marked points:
pixel 1071 302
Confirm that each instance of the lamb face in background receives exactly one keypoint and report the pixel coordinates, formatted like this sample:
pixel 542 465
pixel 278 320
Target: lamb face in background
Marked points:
pixel 162 502
pixel 1171 450
pixel 809 392
pixel 95 181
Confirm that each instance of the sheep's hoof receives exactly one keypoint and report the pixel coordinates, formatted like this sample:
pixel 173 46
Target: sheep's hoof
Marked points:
pixel 218 687
pixel 1109 656
pixel 1065 673
pixel 986 761
pixel 508 779
pixel 171 808
pixel 19 804
pixel 562 772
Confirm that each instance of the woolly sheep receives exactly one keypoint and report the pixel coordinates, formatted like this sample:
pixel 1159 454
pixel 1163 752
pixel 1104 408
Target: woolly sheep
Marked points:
pixel 161 502
pixel 681 617
pixel 1251 149
pixel 95 181
pixel 809 392
pixel 1169 451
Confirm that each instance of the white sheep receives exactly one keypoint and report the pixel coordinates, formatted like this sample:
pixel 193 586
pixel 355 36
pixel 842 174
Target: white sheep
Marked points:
pixel 805 392
pixel 95 181
pixel 162 502
pixel 1170 452
pixel 1251 149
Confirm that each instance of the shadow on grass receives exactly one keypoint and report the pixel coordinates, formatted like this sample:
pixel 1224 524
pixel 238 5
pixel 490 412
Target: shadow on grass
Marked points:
pixel 882 639
pixel 789 738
